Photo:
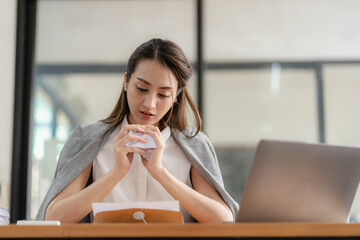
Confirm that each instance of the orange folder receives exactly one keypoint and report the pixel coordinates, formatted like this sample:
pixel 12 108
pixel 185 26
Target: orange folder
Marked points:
pixel 139 215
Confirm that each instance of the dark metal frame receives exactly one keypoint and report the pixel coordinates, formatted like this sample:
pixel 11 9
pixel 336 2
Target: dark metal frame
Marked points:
pixel 201 66
pixel 200 58
pixel 25 48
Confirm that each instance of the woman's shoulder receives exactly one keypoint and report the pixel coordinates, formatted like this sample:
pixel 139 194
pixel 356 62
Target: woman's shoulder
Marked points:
pixel 190 136
pixel 197 146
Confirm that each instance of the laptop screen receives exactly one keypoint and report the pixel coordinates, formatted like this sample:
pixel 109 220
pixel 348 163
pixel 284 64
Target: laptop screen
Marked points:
pixel 300 182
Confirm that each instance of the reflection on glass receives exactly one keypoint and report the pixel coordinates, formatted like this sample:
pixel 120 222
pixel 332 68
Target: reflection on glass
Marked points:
pixel 342 112
pixel 256 30
pixel 244 106
pixel 97 31
pixel 43 118
pixel 256 104
pixel 278 103
pixel 61 102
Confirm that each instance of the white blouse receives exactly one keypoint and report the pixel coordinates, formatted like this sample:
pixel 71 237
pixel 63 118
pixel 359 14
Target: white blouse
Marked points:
pixel 138 184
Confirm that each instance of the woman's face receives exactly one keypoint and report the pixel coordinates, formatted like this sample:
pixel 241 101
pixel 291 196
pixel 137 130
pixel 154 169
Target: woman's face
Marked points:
pixel 151 92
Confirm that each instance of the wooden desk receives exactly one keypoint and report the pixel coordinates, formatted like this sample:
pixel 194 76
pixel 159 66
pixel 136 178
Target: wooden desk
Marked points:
pixel 194 230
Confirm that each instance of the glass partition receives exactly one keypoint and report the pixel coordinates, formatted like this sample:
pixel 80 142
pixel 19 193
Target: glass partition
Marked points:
pixel 244 106
pixel 342 113
pixel 265 74
pixel 82 49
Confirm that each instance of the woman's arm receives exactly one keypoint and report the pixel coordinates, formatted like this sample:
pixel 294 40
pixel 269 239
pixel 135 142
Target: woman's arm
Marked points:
pixel 73 203
pixel 203 202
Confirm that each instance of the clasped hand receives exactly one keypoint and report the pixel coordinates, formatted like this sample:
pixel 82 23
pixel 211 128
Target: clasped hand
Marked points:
pixel 124 155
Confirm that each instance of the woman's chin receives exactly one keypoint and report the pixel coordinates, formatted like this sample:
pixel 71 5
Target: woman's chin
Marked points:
pixel 147 122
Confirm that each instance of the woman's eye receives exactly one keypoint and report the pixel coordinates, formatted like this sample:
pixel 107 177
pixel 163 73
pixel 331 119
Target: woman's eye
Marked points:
pixel 142 89
pixel 163 95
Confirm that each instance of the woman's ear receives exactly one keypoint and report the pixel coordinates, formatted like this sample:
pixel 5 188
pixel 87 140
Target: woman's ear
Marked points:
pixel 125 82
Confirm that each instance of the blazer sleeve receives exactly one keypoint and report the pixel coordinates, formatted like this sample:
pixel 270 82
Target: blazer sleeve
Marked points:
pixel 202 156
pixel 77 153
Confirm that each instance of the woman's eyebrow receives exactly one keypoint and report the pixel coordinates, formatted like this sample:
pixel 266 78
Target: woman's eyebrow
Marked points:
pixel 147 83
pixel 143 80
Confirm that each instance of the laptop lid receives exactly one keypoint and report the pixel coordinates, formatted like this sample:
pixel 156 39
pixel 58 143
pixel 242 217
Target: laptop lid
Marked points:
pixel 300 182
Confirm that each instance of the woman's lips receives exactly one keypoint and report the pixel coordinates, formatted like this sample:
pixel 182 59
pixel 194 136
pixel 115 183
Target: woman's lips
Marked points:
pixel 147 115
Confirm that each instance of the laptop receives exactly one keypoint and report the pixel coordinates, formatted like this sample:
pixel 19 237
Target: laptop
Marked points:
pixel 300 182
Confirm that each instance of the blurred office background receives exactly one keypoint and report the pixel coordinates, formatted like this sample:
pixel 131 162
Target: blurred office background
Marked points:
pixel 275 69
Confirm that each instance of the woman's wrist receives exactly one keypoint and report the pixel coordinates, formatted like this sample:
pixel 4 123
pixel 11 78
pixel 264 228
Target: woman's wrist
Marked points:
pixel 117 173
pixel 158 173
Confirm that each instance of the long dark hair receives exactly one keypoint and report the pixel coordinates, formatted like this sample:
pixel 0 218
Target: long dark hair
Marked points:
pixel 171 56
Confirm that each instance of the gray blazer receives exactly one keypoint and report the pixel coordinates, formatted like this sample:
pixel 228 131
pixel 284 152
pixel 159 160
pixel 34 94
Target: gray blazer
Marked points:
pixel 84 144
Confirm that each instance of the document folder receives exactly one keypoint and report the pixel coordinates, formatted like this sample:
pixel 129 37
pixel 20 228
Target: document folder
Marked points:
pixel 139 215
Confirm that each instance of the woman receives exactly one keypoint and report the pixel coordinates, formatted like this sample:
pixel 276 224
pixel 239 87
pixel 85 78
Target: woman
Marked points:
pixel 96 165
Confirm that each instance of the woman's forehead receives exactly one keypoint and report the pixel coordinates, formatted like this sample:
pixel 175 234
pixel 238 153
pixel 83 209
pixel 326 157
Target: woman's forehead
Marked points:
pixel 153 73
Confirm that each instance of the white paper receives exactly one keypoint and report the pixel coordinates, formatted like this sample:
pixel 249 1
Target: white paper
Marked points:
pixel 4 216
pixel 162 205
pixel 35 222
pixel 149 146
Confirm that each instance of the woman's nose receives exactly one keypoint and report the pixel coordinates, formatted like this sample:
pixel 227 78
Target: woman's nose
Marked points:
pixel 150 101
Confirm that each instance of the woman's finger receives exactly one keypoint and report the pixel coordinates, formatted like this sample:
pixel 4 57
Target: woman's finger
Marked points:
pixel 129 137
pixel 155 129
pixel 127 128
pixel 135 150
pixel 157 138
pixel 126 150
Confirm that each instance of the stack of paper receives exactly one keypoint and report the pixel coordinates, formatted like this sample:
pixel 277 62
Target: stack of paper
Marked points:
pixel 4 216
pixel 162 205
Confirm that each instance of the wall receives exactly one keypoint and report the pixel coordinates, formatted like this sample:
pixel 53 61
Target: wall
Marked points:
pixel 7 63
